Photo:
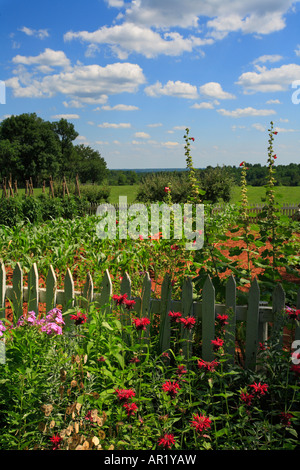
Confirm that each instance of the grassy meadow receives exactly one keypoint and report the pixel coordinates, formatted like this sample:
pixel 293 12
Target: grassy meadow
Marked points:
pixel 283 194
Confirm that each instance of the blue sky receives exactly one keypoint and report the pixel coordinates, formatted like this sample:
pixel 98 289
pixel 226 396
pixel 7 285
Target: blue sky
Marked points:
pixel 132 75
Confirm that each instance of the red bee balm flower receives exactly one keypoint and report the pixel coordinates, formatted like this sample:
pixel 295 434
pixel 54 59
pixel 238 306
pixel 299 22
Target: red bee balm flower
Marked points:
pixel 130 408
pixel 222 319
pixel 247 398
pixel 188 322
pixel 141 323
pixel 120 299
pixel 171 388
pixel 55 439
pixel 125 395
pixel 167 441
pixel 200 422
pixel 259 389
pixel 207 366
pixel 175 316
pixel 217 343
pixel 79 318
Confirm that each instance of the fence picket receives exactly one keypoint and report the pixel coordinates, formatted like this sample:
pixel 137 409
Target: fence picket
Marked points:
pixel 88 290
pixel 252 325
pixel 69 296
pixel 51 286
pixel 165 307
pixel 278 301
pixel 18 291
pixel 187 310
pixel 33 289
pixel 208 319
pixel 231 311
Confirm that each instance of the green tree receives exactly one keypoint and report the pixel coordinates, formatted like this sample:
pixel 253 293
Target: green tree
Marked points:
pixel 67 134
pixel 91 166
pixel 217 184
pixel 29 148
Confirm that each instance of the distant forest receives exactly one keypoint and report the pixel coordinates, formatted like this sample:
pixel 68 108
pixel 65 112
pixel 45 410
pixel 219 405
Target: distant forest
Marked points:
pixel 285 175
pixel 31 148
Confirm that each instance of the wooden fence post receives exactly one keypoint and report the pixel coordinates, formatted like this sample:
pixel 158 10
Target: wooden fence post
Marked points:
pixel 208 319
pixel 252 325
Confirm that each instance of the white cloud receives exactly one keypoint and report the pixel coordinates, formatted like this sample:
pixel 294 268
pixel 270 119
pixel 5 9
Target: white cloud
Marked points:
pixel 176 89
pixel 259 127
pixel 203 105
pixel 120 107
pixel 89 84
pixel 65 116
pixel 169 144
pixel 157 124
pixel 214 90
pixel 243 112
pixel 273 102
pixel 297 51
pixel 38 33
pixel 48 58
pixel 112 125
pixel 282 129
pixel 272 80
pixel 142 135
pixel 248 16
pixel 268 58
pixel 128 37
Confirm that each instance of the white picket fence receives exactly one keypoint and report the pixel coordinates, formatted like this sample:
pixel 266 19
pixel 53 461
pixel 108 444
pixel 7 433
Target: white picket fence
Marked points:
pixel 256 314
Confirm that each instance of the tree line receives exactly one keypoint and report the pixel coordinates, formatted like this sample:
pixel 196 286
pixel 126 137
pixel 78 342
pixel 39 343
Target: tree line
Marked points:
pixel 31 147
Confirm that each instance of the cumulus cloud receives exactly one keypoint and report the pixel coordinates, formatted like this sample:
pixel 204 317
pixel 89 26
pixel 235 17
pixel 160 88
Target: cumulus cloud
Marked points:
pixel 142 135
pixel 224 16
pixel 128 37
pixel 112 125
pixel 48 58
pixel 65 116
pixel 176 89
pixel 268 58
pixel 38 33
pixel 243 112
pixel 214 90
pixel 91 84
pixel 269 80
pixel 120 107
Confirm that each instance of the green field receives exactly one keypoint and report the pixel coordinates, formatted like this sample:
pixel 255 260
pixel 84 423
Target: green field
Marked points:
pixel 284 194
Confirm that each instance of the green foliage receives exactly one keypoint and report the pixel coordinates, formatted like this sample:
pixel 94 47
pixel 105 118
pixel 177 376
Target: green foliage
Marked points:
pixel 70 386
pixel 152 188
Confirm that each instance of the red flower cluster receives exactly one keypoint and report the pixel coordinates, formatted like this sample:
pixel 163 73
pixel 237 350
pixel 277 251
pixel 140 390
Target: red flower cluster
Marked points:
pixel 259 389
pixel 285 418
pixel 56 440
pixel 217 343
pixel 167 441
pixel 247 398
pixel 130 408
pixel 171 388
pixel 125 394
pixel 167 189
pixel 222 319
pixel 175 316
pixel 141 323
pixel 122 300
pixel 79 318
pixel 200 422
pixel 292 313
pixel 207 366
pixel 188 322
